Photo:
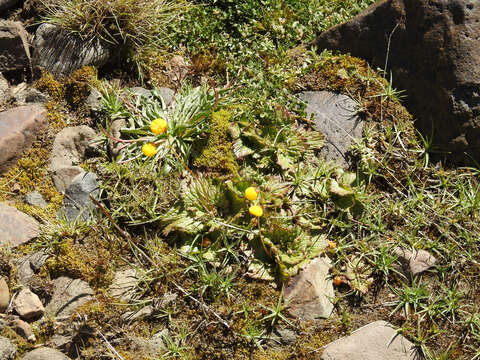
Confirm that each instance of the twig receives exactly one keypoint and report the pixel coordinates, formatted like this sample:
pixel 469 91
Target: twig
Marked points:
pixel 107 214
pixel 109 346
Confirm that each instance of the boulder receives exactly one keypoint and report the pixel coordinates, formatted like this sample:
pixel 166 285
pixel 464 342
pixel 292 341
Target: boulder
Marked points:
pixel 7 349
pixel 434 55
pixel 61 52
pixel 16 228
pixel 14 49
pixel 375 341
pixel 336 117
pixel 18 129
pixel 415 261
pixel 310 295
pixel 28 265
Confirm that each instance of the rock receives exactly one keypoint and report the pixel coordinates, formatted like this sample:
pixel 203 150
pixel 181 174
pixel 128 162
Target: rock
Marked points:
pixel 94 101
pixel 123 285
pixel 139 91
pixel 282 337
pixel 167 95
pixel 335 116
pixel 35 199
pixel 30 95
pixel 68 295
pixel 23 329
pixel 7 349
pixel 311 293
pixel 8 4
pixel 18 129
pixel 69 149
pixel 417 261
pixel 28 305
pixel 149 348
pixel 4 295
pixel 14 49
pixel 4 91
pixel 45 353
pixel 28 265
pixel 115 129
pixel 434 55
pixel 61 52
pixel 143 313
pixel 375 341
pixel 16 228
pixel 77 202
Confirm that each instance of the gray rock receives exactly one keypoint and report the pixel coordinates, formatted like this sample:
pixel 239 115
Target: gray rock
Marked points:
pixel 68 295
pixel 139 91
pixel 149 348
pixel 18 129
pixel 144 312
pixel 335 116
pixel 94 101
pixel 61 52
pixel 16 228
pixel 434 55
pixel 311 293
pixel 416 261
pixel 124 284
pixel 115 129
pixel 35 199
pixel 77 202
pixel 23 329
pixel 28 265
pixel 8 4
pixel 282 337
pixel 166 94
pixel 69 149
pixel 45 353
pixel 28 305
pixel 375 341
pixel 4 91
pixel 14 49
pixel 4 295
pixel 7 349
pixel 30 95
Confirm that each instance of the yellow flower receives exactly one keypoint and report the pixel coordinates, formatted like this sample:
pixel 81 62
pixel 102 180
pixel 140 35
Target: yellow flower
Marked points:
pixel 251 193
pixel 149 149
pixel 158 126
pixel 255 210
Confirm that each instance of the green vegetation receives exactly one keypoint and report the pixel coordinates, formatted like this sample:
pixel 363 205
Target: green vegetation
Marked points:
pixel 180 216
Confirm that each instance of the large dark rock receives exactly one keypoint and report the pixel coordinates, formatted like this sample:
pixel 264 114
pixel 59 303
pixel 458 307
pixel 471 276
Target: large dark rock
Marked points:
pixel 61 52
pixel 434 55
pixel 14 50
pixel 8 4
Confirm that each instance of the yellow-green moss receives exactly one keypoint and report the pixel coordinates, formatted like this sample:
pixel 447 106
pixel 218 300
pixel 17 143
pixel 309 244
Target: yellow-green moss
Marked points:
pixel 218 156
pixel 77 86
pixel 50 86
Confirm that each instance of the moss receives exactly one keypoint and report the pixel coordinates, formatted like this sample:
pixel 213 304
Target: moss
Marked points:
pixel 49 85
pixel 77 86
pixel 90 260
pixel 218 156
pixel 23 346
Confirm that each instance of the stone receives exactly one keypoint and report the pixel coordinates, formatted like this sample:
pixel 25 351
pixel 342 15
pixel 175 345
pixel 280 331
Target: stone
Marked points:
pixel 335 116
pixel 115 129
pixel 310 294
pixel 28 265
pixel 416 261
pixel 282 337
pixel 94 101
pixel 167 95
pixel 151 347
pixel 35 199
pixel 61 52
pixel 5 93
pixel 23 329
pixel 68 294
pixel 8 4
pixel 143 313
pixel 14 48
pixel 8 350
pixel 69 149
pixel 28 305
pixel 29 96
pixel 139 91
pixel 18 129
pixel 434 55
pixel 4 295
pixel 77 202
pixel 124 284
pixel 45 353
pixel 375 341
pixel 16 228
